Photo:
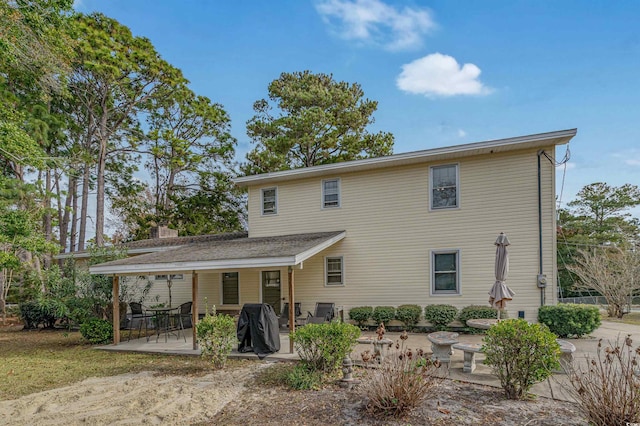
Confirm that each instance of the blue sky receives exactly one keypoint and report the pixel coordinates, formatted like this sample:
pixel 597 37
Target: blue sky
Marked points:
pixel 443 72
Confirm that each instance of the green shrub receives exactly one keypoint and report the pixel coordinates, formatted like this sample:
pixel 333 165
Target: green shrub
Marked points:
pixel 568 319
pixel 440 316
pixel 408 314
pixel 383 314
pixel 322 347
pixel 216 336
pixel 477 312
pixel 97 331
pixel 361 314
pixel 521 355
pixel 80 310
pixel 41 311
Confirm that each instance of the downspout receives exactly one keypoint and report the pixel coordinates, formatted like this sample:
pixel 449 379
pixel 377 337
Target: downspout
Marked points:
pixel 541 269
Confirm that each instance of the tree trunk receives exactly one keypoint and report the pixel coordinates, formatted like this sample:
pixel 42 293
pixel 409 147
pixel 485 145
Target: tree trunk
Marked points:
pixel 64 216
pixel 3 304
pixel 102 160
pixel 74 216
pixel 47 215
pixel 84 207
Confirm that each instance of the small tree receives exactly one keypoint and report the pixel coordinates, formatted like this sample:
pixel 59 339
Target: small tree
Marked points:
pixel 521 355
pixel 21 244
pixel 612 273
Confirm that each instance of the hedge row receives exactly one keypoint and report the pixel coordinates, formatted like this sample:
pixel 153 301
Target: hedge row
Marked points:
pixel 438 315
pixel 564 319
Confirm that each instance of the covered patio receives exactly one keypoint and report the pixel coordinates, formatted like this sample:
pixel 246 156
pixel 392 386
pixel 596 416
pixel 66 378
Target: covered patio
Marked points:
pixel 241 253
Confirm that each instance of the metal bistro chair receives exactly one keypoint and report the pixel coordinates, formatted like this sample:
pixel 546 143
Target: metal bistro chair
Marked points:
pixel 324 313
pixel 283 320
pixel 184 318
pixel 137 313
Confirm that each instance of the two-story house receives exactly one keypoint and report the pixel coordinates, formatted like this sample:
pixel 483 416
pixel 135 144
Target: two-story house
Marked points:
pixel 415 227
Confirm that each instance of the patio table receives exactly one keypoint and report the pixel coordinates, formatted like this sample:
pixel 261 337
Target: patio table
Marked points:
pixel 165 322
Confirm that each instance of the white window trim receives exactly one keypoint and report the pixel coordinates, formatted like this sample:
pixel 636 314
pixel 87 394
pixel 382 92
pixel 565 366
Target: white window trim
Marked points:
pixel 262 213
pixel 457 206
pixel 174 277
pixel 222 290
pixel 326 271
pixel 432 271
pixel 322 206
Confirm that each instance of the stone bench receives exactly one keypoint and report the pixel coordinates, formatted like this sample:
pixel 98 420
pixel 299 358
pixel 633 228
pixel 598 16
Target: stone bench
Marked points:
pixel 380 346
pixel 470 350
pixel 566 356
pixel 441 345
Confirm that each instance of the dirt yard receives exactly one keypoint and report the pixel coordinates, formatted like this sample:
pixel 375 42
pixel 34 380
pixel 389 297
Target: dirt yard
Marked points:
pixel 231 397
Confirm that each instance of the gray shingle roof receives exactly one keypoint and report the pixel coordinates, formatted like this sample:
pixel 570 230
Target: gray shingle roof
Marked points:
pixel 180 241
pixel 160 244
pixel 241 249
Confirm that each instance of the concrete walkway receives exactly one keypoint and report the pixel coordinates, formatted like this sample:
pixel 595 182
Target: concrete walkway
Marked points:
pixel 556 386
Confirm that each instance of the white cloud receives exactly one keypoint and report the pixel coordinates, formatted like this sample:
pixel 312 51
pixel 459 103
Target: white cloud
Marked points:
pixel 630 157
pixel 372 21
pixel 439 75
pixel 569 166
pixel 461 133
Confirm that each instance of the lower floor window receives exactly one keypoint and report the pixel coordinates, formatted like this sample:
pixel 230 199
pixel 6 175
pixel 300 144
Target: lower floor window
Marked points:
pixel 445 278
pixel 334 269
pixel 230 293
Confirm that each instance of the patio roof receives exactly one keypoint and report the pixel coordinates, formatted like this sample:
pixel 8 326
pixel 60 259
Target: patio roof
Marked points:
pixel 283 250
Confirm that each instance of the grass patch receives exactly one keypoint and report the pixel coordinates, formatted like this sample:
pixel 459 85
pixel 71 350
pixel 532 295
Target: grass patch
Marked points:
pixel 276 374
pixel 34 361
pixel 632 318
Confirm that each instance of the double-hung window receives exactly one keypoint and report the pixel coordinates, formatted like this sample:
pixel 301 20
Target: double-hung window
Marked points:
pixel 445 272
pixel 330 193
pixel 230 290
pixel 334 267
pixel 269 201
pixel 444 187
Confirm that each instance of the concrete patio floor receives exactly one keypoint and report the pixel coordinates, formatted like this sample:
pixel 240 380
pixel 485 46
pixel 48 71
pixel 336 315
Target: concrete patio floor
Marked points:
pixel 556 386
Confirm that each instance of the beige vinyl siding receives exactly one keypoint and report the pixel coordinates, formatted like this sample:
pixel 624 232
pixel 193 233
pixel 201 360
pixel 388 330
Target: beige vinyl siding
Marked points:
pixel 391 231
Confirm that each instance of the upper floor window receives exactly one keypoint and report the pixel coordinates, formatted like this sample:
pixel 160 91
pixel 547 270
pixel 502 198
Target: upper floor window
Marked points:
pixel 445 272
pixel 330 193
pixel 444 187
pixel 230 291
pixel 334 270
pixel 269 201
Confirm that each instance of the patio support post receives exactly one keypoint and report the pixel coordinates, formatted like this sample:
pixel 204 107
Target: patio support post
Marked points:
pixel 194 307
pixel 292 308
pixel 116 310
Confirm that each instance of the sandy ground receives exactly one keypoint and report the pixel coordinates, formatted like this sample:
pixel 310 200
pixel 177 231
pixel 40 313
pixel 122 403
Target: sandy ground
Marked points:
pixel 230 397
pixel 131 399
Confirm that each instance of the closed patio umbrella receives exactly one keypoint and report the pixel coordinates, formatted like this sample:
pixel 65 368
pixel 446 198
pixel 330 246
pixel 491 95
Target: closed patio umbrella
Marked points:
pixel 500 293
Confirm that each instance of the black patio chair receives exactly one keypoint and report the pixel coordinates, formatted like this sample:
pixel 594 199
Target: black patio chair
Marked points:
pixel 283 320
pixel 139 314
pixel 324 313
pixel 184 317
